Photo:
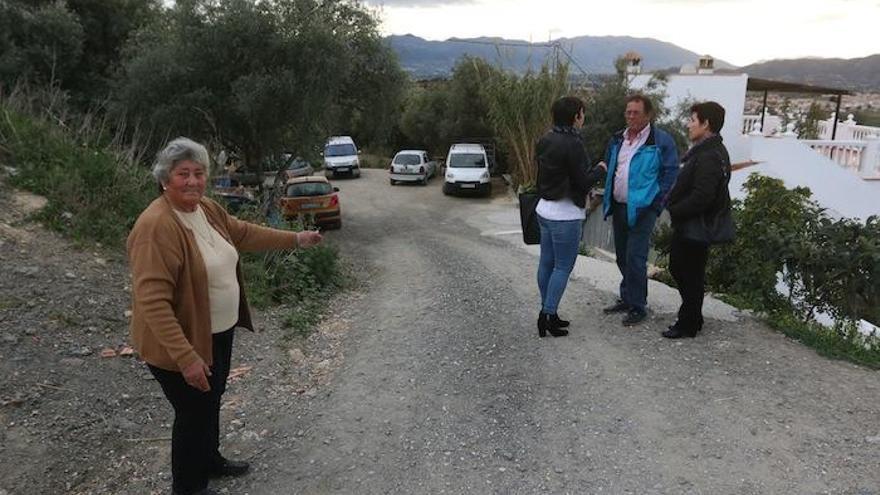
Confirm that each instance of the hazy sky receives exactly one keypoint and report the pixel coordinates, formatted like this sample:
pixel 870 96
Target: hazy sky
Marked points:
pixel 738 31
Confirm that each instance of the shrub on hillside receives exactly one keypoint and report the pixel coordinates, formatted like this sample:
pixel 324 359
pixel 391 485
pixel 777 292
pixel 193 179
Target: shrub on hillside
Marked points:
pixel 94 192
pixel 827 265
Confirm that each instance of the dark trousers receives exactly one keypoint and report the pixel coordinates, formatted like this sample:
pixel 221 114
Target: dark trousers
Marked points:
pixel 631 245
pixel 195 438
pixel 687 264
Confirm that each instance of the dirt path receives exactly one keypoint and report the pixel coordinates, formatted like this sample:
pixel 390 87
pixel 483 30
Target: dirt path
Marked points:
pixel 430 378
pixel 446 388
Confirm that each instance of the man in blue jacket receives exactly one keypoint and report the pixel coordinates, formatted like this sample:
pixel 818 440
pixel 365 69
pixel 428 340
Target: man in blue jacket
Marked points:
pixel 642 163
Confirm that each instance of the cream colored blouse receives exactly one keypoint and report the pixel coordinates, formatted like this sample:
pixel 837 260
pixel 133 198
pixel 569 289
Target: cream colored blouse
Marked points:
pixel 220 259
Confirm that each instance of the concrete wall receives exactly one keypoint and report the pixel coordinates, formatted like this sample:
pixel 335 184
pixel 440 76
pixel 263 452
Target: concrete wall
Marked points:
pixel 729 90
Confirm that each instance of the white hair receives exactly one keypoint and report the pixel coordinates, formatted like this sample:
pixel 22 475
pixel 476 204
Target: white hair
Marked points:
pixel 176 151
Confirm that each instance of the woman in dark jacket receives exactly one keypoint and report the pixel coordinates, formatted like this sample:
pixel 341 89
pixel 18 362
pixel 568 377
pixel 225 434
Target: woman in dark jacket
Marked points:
pixel 564 179
pixel 700 190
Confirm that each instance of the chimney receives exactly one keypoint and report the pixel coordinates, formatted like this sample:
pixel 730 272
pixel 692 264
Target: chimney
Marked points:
pixel 707 65
pixel 633 63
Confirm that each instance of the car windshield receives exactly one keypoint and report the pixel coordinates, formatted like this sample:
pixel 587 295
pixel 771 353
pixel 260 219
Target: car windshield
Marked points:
pixel 339 150
pixel 309 189
pixel 297 162
pixel 467 160
pixel 225 182
pixel 407 159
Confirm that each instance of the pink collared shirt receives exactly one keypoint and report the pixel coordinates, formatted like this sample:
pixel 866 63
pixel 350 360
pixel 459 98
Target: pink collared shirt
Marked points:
pixel 628 148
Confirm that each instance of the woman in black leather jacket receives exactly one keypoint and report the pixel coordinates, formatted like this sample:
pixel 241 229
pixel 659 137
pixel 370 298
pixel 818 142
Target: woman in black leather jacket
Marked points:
pixel 700 189
pixel 564 180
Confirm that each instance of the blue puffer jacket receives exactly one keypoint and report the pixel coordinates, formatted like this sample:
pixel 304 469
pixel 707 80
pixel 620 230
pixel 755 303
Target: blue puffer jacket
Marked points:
pixel 652 173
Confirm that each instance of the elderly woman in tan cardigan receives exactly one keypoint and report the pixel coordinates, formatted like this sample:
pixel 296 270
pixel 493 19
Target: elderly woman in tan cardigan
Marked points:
pixel 188 298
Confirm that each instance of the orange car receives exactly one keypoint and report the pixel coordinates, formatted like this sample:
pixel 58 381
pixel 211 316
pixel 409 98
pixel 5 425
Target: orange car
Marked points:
pixel 312 198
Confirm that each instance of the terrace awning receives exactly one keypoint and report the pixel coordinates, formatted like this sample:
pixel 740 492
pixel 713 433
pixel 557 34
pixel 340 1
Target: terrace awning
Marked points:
pixel 767 85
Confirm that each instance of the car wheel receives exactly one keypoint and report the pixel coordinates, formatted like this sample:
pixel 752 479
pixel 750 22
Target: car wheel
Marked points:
pixel 425 181
pixel 446 190
pixel 392 181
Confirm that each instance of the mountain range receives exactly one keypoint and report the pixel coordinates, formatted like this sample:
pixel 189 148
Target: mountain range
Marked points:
pixel 425 59
pixel 592 54
pixel 854 73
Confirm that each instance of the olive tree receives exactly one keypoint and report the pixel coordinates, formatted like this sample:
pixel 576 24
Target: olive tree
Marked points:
pixel 258 77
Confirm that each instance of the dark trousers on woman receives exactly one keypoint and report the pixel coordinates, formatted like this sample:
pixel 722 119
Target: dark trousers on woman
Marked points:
pixel 195 438
pixel 687 264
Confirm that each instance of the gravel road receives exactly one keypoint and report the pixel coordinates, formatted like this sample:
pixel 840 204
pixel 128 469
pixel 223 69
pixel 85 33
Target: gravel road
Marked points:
pixel 429 377
pixel 445 387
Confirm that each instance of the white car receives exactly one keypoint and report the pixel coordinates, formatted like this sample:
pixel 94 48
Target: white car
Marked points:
pixel 412 166
pixel 467 170
pixel 341 157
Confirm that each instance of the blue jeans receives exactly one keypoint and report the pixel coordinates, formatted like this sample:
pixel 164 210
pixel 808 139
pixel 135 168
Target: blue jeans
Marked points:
pixel 560 241
pixel 631 246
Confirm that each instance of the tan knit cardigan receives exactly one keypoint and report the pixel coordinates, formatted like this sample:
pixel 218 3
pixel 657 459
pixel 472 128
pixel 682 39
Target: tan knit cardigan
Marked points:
pixel 171 313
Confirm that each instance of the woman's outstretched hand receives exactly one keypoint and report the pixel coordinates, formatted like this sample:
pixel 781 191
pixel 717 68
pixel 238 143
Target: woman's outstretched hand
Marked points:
pixel 308 238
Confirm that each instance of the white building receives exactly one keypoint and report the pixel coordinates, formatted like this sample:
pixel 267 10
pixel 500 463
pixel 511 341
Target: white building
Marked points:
pixel 843 175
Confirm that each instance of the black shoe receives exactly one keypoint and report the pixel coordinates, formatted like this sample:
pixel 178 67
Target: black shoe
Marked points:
pixel 227 467
pixel 675 325
pixel 559 323
pixel 546 324
pixel 617 307
pixel 206 491
pixel 634 317
pixel 677 333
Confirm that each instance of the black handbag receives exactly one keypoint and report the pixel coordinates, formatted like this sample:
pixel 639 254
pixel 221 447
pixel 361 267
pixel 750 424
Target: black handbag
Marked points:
pixel 716 229
pixel 528 218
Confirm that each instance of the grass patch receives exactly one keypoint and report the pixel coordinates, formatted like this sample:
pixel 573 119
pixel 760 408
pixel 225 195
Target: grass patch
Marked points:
pixel 844 343
pixel 94 193
pixel 374 161
pixel 303 279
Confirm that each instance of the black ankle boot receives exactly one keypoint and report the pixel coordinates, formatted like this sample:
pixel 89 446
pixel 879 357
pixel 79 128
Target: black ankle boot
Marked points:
pixel 546 324
pixel 559 322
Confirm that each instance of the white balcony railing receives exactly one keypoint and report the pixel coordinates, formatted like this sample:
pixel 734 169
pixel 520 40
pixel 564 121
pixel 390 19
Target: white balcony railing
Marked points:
pixel 855 147
pixel 847 154
pixel 772 124
pixel 847 129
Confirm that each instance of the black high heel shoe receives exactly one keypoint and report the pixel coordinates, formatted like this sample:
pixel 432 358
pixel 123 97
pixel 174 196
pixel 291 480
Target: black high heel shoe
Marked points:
pixel 546 325
pixel 559 322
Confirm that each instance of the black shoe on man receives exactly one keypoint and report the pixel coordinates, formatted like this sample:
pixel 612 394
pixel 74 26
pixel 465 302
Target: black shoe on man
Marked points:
pixel 634 317
pixel 618 307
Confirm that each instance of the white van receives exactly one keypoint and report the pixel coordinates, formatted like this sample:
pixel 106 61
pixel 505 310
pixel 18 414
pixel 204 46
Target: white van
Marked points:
pixel 341 157
pixel 467 170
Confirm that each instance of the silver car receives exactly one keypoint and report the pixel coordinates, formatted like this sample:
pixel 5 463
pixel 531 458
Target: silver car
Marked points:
pixel 412 166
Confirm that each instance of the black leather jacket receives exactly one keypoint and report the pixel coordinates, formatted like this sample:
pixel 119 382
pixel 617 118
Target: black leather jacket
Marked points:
pixel 563 167
pixel 701 187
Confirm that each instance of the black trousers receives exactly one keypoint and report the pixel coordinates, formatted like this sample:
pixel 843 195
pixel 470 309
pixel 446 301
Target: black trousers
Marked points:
pixel 195 438
pixel 687 264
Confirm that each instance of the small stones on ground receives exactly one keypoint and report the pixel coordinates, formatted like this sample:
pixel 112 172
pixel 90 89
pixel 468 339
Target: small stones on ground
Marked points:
pixel 297 357
pixel 873 439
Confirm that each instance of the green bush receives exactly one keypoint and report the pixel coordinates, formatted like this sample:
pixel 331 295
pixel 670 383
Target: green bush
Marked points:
pixel 94 193
pixel 828 266
pixel 374 161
